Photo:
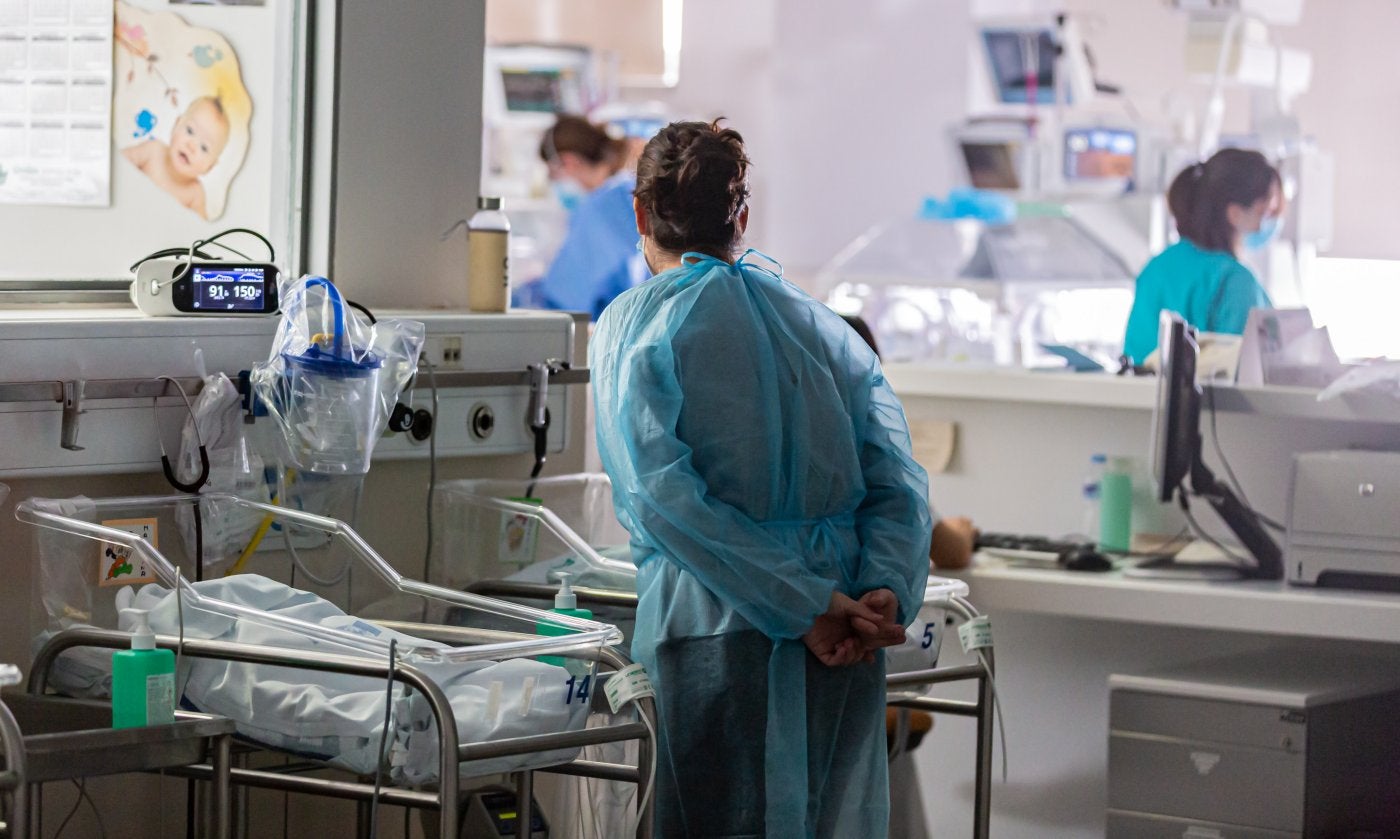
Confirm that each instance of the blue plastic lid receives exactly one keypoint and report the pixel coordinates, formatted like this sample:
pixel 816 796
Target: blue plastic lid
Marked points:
pixel 321 362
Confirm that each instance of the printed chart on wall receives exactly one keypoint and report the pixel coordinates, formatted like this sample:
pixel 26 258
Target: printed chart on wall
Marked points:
pixel 55 102
pixel 181 111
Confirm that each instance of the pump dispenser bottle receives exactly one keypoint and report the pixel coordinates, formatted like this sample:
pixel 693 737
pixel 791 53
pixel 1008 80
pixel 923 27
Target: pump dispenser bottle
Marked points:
pixel 565 603
pixel 143 679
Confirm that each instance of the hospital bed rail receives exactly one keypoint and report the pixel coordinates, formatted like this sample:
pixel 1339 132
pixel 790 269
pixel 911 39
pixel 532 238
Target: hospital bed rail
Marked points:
pixel 982 709
pixel 12 779
pixel 451 752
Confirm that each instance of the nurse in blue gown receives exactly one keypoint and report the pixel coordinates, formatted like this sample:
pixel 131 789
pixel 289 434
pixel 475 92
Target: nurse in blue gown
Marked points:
pixel 778 520
pixel 1222 206
pixel 598 259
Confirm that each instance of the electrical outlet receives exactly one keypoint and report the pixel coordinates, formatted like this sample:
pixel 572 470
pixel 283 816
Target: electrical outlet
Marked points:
pixel 444 352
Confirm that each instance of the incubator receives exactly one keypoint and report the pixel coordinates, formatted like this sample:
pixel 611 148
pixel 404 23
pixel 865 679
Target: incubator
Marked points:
pixel 994 290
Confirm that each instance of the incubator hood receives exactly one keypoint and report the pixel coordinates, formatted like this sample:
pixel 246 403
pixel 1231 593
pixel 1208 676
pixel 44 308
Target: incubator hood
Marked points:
pixel 966 290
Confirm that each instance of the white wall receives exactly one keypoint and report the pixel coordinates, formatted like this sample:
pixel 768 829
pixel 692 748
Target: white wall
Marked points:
pixel 845 108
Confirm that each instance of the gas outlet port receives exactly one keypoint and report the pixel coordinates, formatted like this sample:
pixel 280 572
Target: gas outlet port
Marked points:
pixel 481 421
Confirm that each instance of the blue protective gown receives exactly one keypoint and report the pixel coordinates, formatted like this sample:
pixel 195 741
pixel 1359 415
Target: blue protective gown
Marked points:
pixel 598 259
pixel 759 461
pixel 1212 290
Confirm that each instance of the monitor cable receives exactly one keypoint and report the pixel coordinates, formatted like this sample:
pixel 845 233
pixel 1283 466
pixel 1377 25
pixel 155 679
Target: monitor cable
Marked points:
pixel 432 477
pixel 1200 532
pixel 383 742
pixel 194 250
pixel 81 784
pixel 1230 472
pixel 194 486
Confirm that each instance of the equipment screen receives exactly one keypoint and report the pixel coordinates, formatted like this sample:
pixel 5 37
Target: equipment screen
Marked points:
pixel 991 165
pixel 236 289
pixel 1093 154
pixel 1022 64
pixel 536 91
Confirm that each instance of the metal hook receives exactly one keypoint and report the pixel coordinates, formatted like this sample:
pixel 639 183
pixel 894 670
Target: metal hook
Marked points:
pixel 194 486
pixel 72 409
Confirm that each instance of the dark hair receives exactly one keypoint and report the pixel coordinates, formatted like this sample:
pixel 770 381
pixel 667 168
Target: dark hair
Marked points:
pixel 577 135
pixel 692 181
pixel 1201 195
pixel 863 330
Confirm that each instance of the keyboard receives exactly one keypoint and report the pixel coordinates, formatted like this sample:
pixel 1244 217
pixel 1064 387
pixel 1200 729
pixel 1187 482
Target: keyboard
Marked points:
pixel 1026 548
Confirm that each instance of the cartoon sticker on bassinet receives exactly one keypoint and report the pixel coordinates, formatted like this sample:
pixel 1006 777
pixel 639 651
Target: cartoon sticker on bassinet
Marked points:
pixel 119 565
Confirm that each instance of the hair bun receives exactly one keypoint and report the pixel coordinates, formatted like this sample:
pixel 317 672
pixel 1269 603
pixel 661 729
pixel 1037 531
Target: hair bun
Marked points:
pixel 693 182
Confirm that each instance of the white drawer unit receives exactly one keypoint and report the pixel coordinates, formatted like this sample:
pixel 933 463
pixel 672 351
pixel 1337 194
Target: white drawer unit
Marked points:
pixel 1256 746
pixel 480 361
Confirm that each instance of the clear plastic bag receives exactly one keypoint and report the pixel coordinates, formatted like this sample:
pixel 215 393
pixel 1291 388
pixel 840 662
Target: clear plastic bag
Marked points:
pixel 235 467
pixel 332 379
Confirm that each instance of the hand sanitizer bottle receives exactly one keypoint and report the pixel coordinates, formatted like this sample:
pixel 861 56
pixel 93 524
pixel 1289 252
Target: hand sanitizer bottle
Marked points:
pixel 565 603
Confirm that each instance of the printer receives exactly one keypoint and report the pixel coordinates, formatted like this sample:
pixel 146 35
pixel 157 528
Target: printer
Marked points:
pixel 1344 520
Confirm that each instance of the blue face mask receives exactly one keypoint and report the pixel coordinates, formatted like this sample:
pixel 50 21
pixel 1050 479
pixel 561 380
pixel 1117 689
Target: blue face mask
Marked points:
pixel 1268 228
pixel 569 193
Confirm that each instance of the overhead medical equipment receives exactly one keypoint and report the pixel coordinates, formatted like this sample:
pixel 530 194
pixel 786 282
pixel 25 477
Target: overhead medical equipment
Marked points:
pixel 332 380
pixel 1177 460
pixel 526 86
pixel 959 285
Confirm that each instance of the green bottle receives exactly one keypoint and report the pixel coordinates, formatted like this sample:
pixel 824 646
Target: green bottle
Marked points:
pixel 1116 506
pixel 143 679
pixel 565 603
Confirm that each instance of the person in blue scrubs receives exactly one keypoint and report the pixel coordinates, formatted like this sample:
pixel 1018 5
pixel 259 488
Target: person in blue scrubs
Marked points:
pixel 1230 202
pixel 779 523
pixel 598 259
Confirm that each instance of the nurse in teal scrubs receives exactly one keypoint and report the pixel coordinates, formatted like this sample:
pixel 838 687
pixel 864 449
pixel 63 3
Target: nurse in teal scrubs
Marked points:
pixel 1231 202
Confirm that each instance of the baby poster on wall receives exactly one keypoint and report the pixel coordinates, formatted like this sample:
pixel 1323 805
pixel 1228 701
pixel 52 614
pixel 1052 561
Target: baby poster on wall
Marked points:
pixel 180 111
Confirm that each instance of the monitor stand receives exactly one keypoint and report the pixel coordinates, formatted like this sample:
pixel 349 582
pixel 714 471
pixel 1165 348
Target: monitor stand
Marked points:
pixel 1168 568
pixel 1241 520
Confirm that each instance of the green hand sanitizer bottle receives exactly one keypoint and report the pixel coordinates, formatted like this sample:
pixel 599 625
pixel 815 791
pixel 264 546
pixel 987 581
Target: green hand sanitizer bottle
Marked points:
pixel 143 679
pixel 565 603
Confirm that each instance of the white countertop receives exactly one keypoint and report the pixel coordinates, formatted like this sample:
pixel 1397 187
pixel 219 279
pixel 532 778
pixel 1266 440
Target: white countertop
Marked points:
pixel 1270 607
pixel 1138 393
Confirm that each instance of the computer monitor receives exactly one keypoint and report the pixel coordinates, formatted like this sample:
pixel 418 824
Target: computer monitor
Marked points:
pixel 1176 448
pixel 1176 436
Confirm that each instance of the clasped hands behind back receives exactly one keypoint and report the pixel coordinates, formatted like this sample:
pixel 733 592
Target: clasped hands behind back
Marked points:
pixel 850 631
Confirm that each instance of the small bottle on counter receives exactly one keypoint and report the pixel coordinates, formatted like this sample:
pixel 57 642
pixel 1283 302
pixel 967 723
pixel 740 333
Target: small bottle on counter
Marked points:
pixel 1091 492
pixel 488 265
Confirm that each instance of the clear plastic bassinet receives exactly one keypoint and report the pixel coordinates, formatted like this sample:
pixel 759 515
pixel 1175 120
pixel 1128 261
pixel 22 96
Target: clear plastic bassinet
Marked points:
pixel 99 556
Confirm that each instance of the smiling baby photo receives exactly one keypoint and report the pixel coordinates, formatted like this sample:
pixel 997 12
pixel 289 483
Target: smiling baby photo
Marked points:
pixel 181 112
